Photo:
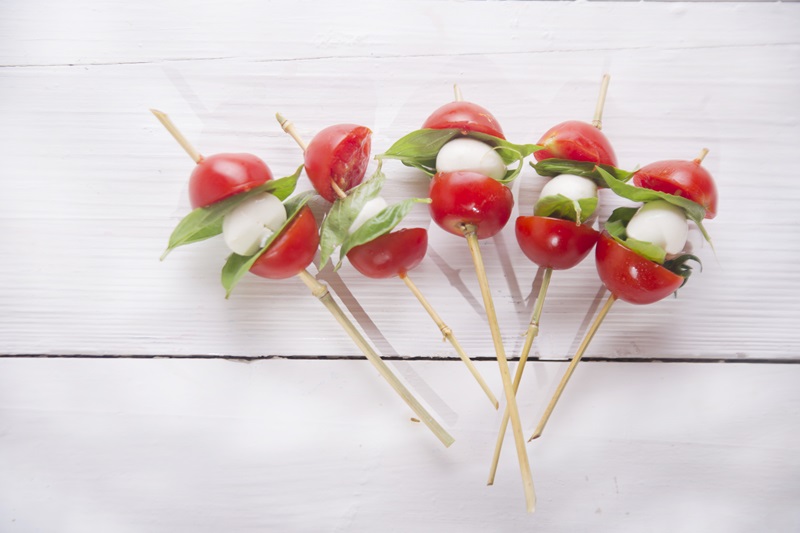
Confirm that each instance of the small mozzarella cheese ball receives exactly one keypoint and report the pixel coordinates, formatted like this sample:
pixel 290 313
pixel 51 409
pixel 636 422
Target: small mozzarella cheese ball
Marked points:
pixel 370 209
pixel 662 224
pixel 247 227
pixel 573 187
pixel 473 155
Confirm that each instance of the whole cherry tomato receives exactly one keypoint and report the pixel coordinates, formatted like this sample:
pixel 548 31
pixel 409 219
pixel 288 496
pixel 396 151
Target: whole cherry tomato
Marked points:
pixel 577 141
pixel 338 154
pixel 464 116
pixel 682 178
pixel 553 242
pixel 392 254
pixel 463 197
pixel 631 277
pixel 219 176
pixel 292 251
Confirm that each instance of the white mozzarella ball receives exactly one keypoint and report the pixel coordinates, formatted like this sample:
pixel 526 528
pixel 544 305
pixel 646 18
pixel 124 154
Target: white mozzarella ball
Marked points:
pixel 573 187
pixel 370 209
pixel 247 227
pixel 662 224
pixel 470 154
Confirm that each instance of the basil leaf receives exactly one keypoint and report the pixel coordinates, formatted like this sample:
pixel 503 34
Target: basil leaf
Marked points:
pixel 559 206
pixel 380 224
pixel 344 211
pixel 238 265
pixel 419 148
pixel 584 169
pixel 508 151
pixel 678 266
pixel 647 250
pixel 206 222
pixel 616 225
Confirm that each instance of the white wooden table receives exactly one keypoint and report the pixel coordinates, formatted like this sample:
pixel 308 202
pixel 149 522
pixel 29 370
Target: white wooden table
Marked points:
pixel 134 397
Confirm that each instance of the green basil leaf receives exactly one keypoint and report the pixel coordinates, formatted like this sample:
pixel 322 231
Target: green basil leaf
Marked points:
pixel 419 148
pixel 206 222
pixel 616 225
pixel 678 266
pixel 647 250
pixel 559 206
pixel 585 169
pixel 508 151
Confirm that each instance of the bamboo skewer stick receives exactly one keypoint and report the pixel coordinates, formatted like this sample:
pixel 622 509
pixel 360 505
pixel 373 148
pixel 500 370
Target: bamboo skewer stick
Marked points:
pixel 597 121
pixel 288 127
pixel 177 135
pixel 450 337
pixel 703 154
pixel 457 96
pixel 533 331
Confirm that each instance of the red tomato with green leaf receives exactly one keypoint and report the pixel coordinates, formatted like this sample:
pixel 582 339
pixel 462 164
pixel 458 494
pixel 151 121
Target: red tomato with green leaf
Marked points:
pixel 577 141
pixel 219 176
pixel 553 242
pixel 468 198
pixel 391 254
pixel 464 116
pixel 292 251
pixel 688 179
pixel 338 154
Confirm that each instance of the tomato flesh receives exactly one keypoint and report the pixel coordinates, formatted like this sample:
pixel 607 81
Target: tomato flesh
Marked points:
pixel 553 242
pixel 392 254
pixel 688 179
pixel 292 251
pixel 631 277
pixel 577 141
pixel 338 154
pixel 464 197
pixel 219 176
pixel 464 116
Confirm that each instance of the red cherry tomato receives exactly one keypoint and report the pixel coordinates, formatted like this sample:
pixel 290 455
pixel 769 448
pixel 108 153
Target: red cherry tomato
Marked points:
pixel 682 178
pixel 631 277
pixel 577 141
pixel 392 254
pixel 219 176
pixel 465 197
pixel 555 243
pixel 464 116
pixel 338 154
pixel 292 251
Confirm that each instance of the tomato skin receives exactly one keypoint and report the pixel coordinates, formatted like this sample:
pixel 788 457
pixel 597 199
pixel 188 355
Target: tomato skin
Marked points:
pixel 688 179
pixel 292 251
pixel 340 154
pixel 553 242
pixel 631 277
pixel 464 116
pixel 464 197
pixel 392 254
pixel 578 141
pixel 219 176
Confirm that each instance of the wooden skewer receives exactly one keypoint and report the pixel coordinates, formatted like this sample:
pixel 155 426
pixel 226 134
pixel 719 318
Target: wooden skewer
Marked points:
pixel 703 154
pixel 457 93
pixel 511 400
pixel 320 290
pixel 571 368
pixel 450 337
pixel 177 135
pixel 533 331
pixel 597 121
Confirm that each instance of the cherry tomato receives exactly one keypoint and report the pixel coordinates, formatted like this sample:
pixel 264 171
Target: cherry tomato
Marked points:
pixel 392 254
pixel 578 141
pixel 219 176
pixel 292 251
pixel 631 277
pixel 553 242
pixel 464 197
pixel 338 154
pixel 682 178
pixel 464 116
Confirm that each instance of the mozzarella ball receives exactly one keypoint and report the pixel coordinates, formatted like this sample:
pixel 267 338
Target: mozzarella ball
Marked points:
pixel 370 209
pixel 662 224
pixel 573 187
pixel 470 154
pixel 247 227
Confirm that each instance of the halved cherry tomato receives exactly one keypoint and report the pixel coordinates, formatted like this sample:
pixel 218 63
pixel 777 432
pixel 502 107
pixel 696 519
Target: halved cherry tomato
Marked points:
pixel 631 277
pixel 464 116
pixel 219 176
pixel 392 254
pixel 688 179
pixel 553 242
pixel 292 251
pixel 578 141
pixel 338 154
pixel 464 197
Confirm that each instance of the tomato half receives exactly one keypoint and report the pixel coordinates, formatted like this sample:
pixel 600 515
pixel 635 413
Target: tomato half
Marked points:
pixel 464 116
pixel 578 141
pixel 688 179
pixel 392 254
pixel 338 154
pixel 465 197
pixel 553 242
pixel 292 251
pixel 631 277
pixel 219 176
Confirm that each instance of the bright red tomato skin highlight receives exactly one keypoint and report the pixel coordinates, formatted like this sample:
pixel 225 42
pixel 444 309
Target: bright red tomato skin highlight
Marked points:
pixel 578 141
pixel 688 179
pixel 631 277
pixel 554 243
pixel 392 254
pixel 219 176
pixel 464 197
pixel 292 251
pixel 340 154
pixel 464 116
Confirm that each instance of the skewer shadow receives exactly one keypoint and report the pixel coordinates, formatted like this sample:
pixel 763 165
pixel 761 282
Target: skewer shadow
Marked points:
pixel 599 298
pixel 454 277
